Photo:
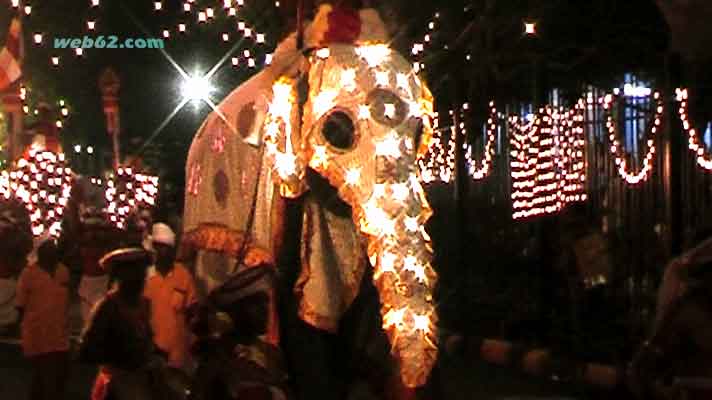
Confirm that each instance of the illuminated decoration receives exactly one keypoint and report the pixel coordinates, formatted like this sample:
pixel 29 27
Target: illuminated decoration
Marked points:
pixel 280 148
pixel 434 165
pixel 418 48
pixel 545 191
pixel 530 28
pixel 374 54
pixel 524 159
pixel 348 79
pixel 126 191
pixel 38 38
pixel 570 144
pixel 439 163
pixel 616 147
pixel 547 161
pixel 362 140
pixel 388 202
pixel 483 170
pixel 42 181
pixel 206 15
pixel 693 141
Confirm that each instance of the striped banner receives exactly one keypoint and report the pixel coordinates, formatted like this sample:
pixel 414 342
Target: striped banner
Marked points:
pixel 11 56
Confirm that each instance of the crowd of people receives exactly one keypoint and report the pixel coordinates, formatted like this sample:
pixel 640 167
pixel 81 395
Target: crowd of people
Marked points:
pixel 152 337
pixel 134 304
pixel 143 324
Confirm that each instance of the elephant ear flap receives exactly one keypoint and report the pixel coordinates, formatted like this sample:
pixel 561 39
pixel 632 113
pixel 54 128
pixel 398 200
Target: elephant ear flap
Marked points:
pixel 226 179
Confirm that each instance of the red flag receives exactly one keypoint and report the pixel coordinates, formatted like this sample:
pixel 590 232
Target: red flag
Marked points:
pixel 11 56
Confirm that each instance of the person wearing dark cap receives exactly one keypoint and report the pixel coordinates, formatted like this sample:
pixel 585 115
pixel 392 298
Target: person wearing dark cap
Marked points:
pixel 43 300
pixel 118 336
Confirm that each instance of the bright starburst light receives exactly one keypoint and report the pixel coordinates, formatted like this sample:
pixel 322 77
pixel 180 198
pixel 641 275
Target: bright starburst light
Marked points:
pixel 197 89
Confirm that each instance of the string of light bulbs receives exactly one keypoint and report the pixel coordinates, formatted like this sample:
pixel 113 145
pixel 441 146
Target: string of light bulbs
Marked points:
pixel 524 159
pixel 477 170
pixel 42 181
pixel 632 178
pixel 547 160
pixel 127 190
pixel 438 164
pixel 204 15
pixel 693 142
pixel 418 48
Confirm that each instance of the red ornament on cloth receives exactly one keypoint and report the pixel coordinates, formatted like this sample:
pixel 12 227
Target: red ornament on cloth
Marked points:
pixel 344 26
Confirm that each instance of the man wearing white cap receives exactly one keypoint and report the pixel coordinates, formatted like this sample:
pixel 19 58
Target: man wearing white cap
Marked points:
pixel 171 290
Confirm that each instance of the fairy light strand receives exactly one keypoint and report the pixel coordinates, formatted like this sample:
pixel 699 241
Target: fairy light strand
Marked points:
pixel 616 148
pixel 694 144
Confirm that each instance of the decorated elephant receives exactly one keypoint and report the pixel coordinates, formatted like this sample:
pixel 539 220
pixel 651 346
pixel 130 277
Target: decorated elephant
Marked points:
pixel 335 127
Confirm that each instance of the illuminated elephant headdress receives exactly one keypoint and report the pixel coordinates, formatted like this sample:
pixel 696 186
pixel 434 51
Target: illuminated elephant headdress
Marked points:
pixel 365 121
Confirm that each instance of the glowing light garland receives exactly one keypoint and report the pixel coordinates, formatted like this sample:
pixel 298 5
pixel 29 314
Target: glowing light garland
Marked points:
pixel 439 163
pixel 42 181
pixel 433 165
pixel 524 160
pixel 547 161
pixel 188 7
pixel 126 191
pixel 481 172
pixel 616 148
pixel 418 49
pixel 570 142
pixel 693 142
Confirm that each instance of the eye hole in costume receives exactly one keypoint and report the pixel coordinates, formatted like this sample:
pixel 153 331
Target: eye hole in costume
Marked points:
pixel 339 130
pixel 387 108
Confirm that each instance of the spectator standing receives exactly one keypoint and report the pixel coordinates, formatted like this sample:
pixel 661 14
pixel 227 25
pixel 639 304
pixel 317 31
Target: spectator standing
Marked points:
pixel 118 336
pixel 8 289
pixel 171 291
pixel 42 300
